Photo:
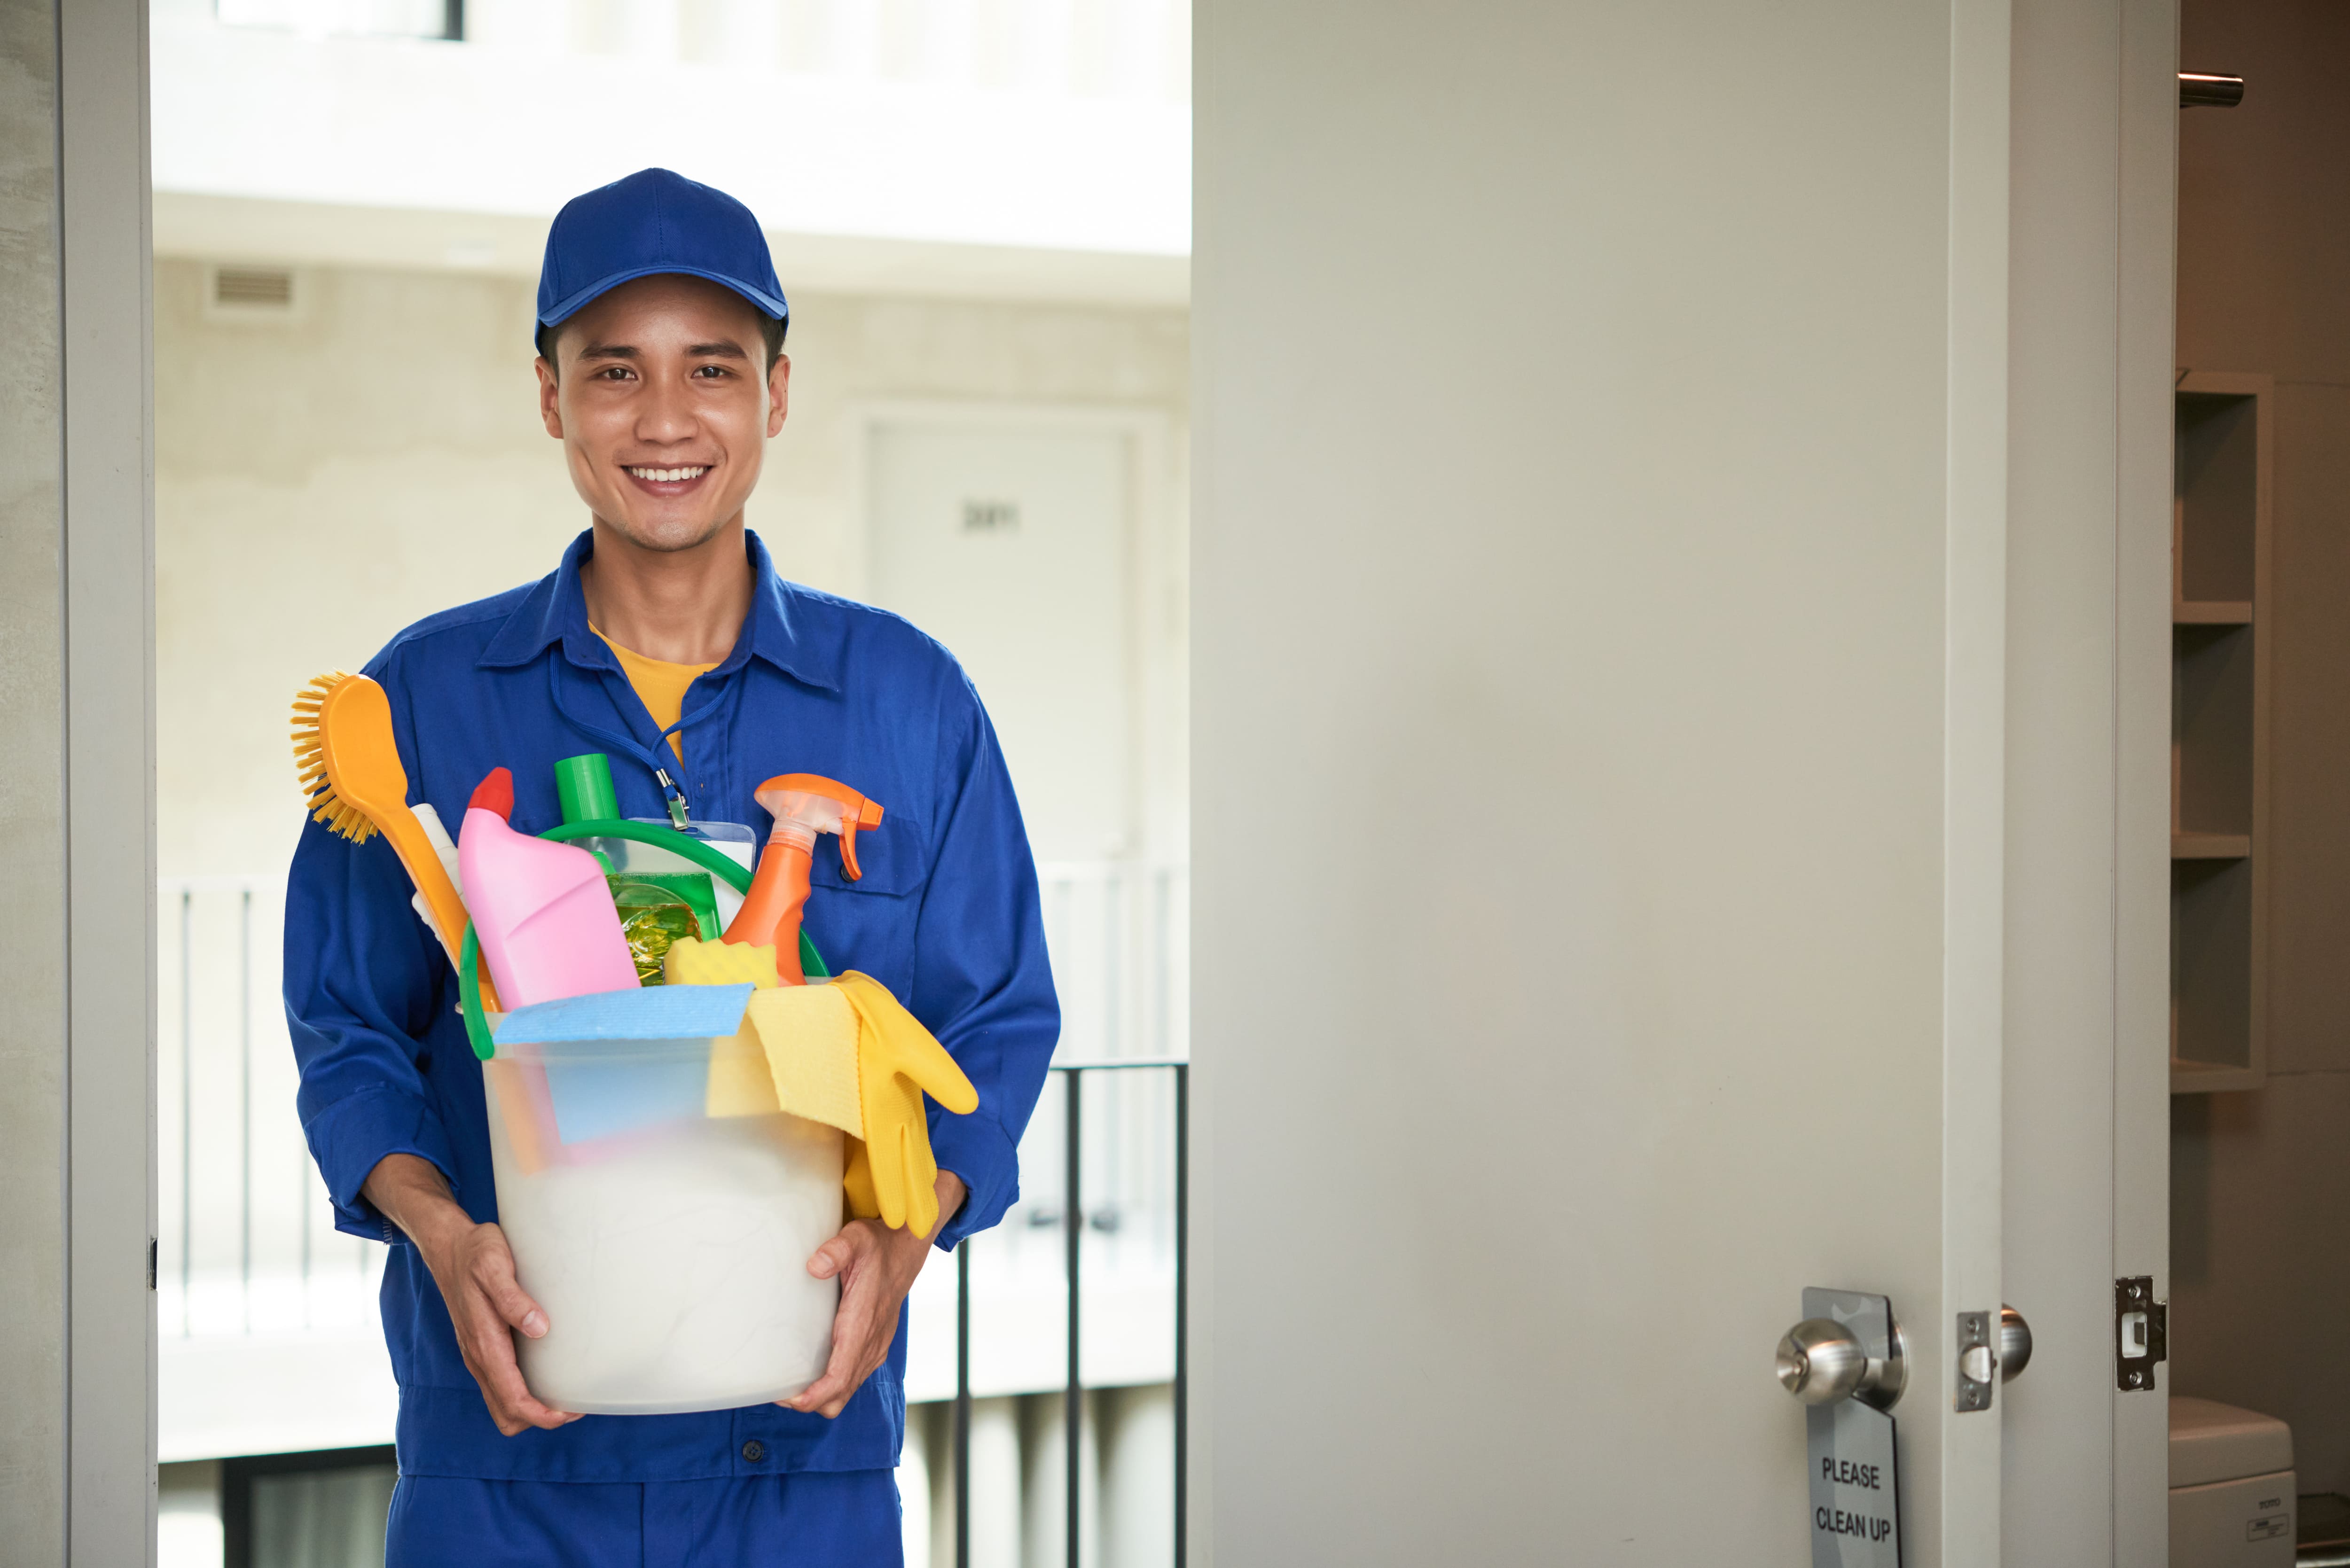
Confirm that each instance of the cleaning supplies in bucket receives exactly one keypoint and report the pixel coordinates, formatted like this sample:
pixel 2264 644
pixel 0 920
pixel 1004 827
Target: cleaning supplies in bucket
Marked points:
pixel 667 1159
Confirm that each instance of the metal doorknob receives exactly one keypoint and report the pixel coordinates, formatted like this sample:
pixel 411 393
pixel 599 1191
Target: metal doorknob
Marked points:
pixel 2015 1344
pixel 1821 1361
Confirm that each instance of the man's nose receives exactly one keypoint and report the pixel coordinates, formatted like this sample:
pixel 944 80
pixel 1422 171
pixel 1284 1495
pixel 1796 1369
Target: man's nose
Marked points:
pixel 665 413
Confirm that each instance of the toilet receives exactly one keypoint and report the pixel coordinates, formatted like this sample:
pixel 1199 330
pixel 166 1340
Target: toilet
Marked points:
pixel 2231 1487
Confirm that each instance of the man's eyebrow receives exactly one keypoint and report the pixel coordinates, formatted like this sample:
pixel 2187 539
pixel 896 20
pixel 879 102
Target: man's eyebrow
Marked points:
pixel 721 350
pixel 609 351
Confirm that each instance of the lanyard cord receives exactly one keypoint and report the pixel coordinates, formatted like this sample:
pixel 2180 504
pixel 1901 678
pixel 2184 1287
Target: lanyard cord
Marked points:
pixel 649 755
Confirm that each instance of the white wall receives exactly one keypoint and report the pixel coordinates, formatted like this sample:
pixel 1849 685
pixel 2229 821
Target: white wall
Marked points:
pixel 321 483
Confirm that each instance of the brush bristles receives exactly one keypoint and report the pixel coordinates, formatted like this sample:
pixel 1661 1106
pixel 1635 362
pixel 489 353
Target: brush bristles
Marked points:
pixel 311 762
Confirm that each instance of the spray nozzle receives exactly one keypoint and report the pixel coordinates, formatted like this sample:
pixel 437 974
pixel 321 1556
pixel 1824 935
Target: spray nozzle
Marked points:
pixel 804 805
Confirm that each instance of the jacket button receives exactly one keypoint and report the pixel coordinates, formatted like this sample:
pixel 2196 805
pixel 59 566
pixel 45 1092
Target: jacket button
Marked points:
pixel 754 1450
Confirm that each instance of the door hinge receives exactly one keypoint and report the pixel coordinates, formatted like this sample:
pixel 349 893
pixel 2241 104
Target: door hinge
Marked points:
pixel 151 1263
pixel 2141 1333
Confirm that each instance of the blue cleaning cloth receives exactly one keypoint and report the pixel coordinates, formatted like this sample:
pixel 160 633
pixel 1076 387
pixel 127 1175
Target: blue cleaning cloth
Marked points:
pixel 644 1013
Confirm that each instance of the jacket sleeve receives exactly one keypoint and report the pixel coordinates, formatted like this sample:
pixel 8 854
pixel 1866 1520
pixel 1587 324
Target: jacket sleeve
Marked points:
pixel 982 984
pixel 363 980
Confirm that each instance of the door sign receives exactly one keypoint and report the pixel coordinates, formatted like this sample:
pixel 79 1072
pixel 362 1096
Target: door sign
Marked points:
pixel 1855 1494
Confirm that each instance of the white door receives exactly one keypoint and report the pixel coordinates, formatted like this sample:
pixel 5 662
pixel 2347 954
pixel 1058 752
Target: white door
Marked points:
pixel 1599 718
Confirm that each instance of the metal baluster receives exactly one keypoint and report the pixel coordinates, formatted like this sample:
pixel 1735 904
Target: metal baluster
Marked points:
pixel 1182 1301
pixel 187 1115
pixel 962 1405
pixel 1073 1217
pixel 245 1119
pixel 1161 898
pixel 1114 982
pixel 308 1196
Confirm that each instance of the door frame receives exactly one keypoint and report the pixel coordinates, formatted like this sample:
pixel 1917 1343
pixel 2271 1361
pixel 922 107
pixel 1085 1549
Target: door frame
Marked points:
pixel 2087 1161
pixel 108 561
pixel 2147 204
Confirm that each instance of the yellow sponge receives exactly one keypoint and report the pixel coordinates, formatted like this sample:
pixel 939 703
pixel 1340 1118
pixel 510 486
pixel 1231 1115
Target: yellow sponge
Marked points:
pixel 693 961
pixel 810 1035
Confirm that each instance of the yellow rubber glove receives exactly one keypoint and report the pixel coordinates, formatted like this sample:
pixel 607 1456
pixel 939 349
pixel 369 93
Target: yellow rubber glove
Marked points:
pixel 897 1061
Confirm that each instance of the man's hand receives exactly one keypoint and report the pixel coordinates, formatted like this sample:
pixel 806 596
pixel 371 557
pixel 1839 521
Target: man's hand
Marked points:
pixel 474 1269
pixel 876 1267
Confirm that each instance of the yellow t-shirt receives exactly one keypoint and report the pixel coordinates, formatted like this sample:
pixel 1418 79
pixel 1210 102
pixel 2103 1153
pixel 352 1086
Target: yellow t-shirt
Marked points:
pixel 660 685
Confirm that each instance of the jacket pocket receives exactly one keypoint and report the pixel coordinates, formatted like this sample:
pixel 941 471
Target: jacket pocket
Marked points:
pixel 891 856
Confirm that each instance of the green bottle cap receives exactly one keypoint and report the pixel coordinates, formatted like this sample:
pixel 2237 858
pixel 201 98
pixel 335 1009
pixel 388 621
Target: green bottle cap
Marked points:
pixel 584 786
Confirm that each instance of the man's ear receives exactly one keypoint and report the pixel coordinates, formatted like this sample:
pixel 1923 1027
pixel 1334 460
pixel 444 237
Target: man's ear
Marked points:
pixel 550 409
pixel 779 394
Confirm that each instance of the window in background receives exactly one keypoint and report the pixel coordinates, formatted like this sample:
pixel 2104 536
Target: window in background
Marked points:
pixel 351 19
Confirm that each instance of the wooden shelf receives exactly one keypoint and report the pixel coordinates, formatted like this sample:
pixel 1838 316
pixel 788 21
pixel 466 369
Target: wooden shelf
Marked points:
pixel 2210 845
pixel 2219 733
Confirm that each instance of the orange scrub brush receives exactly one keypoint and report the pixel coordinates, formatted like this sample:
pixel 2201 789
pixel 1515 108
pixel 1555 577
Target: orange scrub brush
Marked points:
pixel 350 768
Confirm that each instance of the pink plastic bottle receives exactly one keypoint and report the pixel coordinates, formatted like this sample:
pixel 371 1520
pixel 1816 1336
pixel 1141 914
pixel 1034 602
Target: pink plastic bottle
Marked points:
pixel 542 909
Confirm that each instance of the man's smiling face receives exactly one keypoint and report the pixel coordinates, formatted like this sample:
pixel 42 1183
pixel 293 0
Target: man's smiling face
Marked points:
pixel 664 403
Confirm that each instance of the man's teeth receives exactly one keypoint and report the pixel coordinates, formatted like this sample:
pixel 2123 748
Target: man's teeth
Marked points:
pixel 669 475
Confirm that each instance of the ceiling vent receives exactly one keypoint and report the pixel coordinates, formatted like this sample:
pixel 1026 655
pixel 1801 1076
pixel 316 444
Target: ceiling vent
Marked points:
pixel 251 294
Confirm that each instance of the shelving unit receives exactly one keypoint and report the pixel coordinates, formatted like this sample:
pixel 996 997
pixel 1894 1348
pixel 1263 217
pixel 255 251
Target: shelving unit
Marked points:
pixel 2218 732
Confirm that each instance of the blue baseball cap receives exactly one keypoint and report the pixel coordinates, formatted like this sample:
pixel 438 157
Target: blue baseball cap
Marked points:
pixel 654 222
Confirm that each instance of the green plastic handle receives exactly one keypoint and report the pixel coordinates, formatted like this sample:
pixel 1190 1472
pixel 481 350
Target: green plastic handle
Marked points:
pixel 717 862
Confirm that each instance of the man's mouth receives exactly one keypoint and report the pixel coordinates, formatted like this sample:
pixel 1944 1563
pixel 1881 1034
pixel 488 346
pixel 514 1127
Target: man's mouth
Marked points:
pixel 682 475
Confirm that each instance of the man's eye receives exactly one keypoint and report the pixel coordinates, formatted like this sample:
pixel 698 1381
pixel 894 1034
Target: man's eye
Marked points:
pixel 613 373
pixel 712 372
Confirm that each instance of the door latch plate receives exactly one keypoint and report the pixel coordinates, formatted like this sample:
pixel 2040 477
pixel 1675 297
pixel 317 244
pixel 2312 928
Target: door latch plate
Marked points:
pixel 2141 1333
pixel 1978 1363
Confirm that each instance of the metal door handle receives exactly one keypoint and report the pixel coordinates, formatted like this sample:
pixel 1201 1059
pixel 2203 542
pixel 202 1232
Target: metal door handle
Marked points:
pixel 1821 1361
pixel 2015 1344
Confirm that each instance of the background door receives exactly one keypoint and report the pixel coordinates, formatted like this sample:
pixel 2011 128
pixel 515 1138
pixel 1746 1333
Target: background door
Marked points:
pixel 1013 546
pixel 1598 706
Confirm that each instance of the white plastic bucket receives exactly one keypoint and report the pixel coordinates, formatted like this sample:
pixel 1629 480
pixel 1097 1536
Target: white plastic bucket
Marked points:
pixel 669 1248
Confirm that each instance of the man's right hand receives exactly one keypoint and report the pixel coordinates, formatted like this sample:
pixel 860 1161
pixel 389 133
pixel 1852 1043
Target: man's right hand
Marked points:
pixel 474 1269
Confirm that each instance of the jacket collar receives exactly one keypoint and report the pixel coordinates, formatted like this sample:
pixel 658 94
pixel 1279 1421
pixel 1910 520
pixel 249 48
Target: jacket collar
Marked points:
pixel 787 626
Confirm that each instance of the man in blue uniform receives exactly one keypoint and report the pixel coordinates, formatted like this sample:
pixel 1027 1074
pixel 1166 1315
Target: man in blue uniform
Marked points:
pixel 665 638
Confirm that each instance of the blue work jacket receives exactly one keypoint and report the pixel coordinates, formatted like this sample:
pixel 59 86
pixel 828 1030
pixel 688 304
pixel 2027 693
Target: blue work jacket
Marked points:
pixel 945 916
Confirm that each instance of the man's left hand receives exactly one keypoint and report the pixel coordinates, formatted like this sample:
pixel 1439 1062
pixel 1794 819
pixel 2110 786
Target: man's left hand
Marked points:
pixel 876 1266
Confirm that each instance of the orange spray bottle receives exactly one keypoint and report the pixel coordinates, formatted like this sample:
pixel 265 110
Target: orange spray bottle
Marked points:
pixel 802 804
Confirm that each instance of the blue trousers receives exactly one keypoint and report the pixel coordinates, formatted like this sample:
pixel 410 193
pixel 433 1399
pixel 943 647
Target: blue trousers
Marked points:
pixel 818 1518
